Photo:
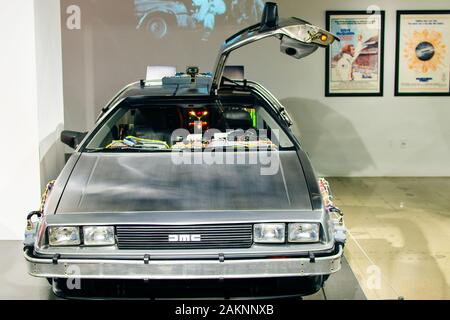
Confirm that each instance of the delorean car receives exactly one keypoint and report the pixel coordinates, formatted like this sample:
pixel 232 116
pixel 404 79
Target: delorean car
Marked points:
pixel 195 180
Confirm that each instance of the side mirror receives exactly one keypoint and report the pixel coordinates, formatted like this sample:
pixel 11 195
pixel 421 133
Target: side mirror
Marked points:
pixel 269 18
pixel 72 138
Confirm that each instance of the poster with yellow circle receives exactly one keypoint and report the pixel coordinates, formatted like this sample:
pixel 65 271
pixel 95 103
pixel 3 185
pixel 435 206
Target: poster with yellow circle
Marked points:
pixel 423 53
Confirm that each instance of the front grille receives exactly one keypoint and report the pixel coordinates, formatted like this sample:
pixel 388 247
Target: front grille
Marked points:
pixel 185 237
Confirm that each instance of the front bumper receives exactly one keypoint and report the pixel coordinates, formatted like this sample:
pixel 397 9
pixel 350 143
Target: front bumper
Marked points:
pixel 182 269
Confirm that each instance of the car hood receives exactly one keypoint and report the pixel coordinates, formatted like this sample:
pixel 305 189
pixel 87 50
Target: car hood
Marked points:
pixel 130 182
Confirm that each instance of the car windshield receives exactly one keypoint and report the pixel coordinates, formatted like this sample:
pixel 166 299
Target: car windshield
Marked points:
pixel 169 127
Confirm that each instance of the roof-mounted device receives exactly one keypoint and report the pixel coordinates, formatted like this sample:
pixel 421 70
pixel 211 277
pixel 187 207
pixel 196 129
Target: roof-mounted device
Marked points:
pixel 193 72
pixel 192 76
pixel 156 73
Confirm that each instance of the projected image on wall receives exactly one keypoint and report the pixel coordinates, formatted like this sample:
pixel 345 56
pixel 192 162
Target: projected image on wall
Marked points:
pixel 160 17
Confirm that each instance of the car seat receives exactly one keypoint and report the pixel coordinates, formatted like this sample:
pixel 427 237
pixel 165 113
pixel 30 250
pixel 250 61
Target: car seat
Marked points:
pixel 152 123
pixel 236 119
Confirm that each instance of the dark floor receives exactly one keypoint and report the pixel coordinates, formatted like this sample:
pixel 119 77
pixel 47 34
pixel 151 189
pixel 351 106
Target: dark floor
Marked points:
pixel 15 283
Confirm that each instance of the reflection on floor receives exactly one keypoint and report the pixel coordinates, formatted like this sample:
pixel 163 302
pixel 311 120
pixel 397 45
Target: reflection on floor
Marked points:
pixel 399 235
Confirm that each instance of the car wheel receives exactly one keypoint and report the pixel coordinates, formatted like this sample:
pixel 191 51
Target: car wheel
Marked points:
pixel 157 26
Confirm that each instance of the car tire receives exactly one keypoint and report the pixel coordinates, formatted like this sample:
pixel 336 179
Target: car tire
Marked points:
pixel 158 25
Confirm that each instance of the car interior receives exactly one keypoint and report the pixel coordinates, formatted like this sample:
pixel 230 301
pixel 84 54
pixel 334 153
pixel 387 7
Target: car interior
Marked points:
pixel 153 126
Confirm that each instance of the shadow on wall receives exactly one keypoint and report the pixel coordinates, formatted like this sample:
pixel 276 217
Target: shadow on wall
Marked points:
pixel 331 141
pixel 52 156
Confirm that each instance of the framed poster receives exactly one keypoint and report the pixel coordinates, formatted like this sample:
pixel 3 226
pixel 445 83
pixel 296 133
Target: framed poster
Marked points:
pixel 354 65
pixel 423 53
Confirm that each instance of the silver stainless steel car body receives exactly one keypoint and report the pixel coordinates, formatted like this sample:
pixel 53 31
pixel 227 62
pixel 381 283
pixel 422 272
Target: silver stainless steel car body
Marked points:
pixel 130 191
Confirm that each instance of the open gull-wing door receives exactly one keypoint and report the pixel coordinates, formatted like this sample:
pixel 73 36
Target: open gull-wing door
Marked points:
pixel 298 39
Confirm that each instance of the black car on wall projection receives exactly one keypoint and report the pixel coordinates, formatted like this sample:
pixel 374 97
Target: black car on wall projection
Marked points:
pixel 194 179
pixel 159 17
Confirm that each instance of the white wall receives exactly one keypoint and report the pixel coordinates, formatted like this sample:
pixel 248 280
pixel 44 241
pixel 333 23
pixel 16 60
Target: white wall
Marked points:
pixel 19 161
pixel 49 88
pixel 387 136
pixel 28 64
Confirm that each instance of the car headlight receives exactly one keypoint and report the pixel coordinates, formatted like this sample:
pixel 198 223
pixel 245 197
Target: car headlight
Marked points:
pixel 304 232
pixel 64 236
pixel 98 236
pixel 269 233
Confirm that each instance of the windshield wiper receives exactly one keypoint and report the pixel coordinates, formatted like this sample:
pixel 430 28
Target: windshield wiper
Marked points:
pixel 125 149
